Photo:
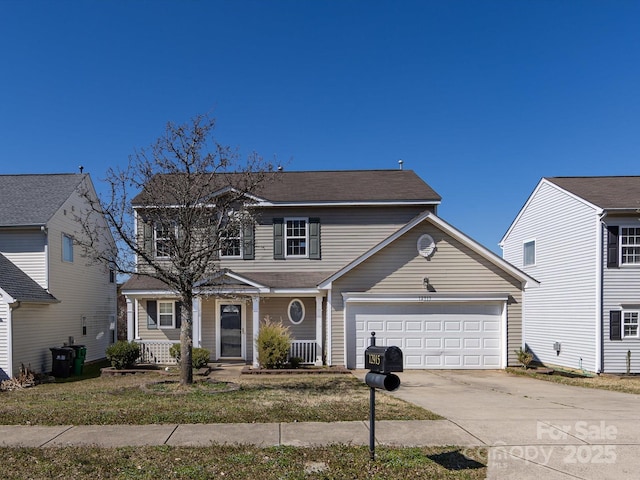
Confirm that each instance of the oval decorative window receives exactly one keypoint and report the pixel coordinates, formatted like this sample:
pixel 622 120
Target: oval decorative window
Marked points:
pixel 296 311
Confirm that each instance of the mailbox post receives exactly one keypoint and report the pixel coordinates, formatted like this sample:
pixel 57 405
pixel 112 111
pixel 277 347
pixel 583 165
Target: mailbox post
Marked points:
pixel 381 362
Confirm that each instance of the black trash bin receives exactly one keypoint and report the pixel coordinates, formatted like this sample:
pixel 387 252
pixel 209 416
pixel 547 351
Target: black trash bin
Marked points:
pixel 62 361
pixel 80 355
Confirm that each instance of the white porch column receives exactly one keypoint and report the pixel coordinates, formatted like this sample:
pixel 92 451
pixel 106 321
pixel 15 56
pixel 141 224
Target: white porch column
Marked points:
pixel 255 300
pixel 319 329
pixel 131 326
pixel 197 322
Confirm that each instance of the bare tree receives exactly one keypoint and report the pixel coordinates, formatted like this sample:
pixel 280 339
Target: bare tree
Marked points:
pixel 195 194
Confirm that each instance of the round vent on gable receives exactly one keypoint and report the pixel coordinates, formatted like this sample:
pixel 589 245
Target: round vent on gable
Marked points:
pixel 426 245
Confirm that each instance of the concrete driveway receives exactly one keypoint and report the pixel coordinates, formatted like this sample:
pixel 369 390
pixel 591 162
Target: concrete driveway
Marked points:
pixel 532 428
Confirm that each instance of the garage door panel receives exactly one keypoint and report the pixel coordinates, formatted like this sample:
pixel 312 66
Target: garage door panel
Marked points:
pixel 452 343
pixel 431 336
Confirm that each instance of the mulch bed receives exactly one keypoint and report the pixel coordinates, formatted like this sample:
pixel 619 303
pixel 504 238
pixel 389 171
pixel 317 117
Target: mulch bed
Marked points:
pixel 248 370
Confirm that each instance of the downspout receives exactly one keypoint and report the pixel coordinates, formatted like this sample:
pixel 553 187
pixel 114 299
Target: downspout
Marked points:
pixel 599 360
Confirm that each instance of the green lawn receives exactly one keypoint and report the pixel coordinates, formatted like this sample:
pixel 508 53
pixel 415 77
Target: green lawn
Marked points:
pixel 120 400
pixel 242 462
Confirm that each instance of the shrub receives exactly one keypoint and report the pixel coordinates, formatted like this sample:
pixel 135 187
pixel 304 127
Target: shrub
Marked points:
pixel 174 351
pixel 295 362
pixel 525 357
pixel 123 354
pixel 199 356
pixel 274 341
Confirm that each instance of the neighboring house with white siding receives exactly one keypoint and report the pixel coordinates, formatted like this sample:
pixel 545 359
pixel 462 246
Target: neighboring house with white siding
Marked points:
pixel 337 255
pixel 48 291
pixel 580 238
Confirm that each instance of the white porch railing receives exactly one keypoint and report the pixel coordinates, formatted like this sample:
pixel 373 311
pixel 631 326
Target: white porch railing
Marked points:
pixel 304 349
pixel 155 351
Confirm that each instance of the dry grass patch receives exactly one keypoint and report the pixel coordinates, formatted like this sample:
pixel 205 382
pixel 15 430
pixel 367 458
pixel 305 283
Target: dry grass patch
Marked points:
pixel 616 383
pixel 243 462
pixel 120 400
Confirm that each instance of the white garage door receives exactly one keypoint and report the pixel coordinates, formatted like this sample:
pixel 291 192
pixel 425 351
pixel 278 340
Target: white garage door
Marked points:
pixel 447 336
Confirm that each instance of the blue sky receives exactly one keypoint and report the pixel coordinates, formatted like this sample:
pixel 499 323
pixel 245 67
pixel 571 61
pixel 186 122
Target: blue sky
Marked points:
pixel 480 98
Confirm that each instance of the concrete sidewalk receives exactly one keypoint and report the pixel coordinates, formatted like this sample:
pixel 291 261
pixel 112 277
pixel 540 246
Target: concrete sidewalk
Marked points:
pixel 302 434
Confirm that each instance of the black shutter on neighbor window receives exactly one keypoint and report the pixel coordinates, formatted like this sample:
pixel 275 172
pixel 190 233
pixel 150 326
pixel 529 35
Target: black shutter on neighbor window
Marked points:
pixel 314 238
pixel 612 247
pixel 152 314
pixel 248 246
pixel 278 238
pixel 615 325
pixel 178 308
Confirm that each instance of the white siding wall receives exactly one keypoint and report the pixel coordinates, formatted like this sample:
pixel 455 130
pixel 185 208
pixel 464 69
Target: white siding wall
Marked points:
pixel 621 289
pixel 4 341
pixel 26 249
pixel 83 290
pixel 563 308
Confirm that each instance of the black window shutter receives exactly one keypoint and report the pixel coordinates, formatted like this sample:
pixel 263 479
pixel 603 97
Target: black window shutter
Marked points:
pixel 612 247
pixel 152 314
pixel 615 325
pixel 314 238
pixel 278 238
pixel 178 308
pixel 147 232
pixel 248 252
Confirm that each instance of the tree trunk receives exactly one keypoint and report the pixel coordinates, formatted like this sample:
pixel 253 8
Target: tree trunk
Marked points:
pixel 186 340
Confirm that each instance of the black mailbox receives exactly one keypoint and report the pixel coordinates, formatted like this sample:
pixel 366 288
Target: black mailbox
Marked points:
pixel 384 360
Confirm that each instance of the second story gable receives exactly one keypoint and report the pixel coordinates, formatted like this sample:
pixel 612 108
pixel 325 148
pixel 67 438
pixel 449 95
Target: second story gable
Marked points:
pixel 39 224
pixel 566 218
pixel 310 221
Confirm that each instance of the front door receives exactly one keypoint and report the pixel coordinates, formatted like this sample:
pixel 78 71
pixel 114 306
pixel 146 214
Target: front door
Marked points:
pixel 231 331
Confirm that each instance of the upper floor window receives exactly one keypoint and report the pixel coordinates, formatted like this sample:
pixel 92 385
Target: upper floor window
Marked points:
pixel 630 324
pixel 231 243
pixel 630 245
pixel 529 253
pixel 296 237
pixel 67 248
pixel 162 240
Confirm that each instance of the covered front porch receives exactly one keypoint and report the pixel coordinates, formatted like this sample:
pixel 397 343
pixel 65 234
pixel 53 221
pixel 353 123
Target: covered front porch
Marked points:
pixel 227 318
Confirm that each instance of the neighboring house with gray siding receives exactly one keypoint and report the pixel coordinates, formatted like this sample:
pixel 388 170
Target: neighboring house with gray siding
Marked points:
pixel 48 292
pixel 580 238
pixel 337 255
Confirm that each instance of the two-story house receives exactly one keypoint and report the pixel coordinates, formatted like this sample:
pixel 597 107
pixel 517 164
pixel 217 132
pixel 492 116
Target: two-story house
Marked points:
pixel 336 255
pixel 580 238
pixel 49 294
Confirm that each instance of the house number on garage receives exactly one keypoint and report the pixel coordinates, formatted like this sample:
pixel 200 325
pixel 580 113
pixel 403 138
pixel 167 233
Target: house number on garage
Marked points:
pixel 424 298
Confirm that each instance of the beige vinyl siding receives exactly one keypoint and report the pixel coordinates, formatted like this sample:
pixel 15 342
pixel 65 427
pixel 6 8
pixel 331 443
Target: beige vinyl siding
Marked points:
pixel 26 248
pixel 621 291
pixel 4 341
pixel 276 309
pixel 208 327
pixel 454 268
pixel 157 334
pixel 563 308
pixel 346 232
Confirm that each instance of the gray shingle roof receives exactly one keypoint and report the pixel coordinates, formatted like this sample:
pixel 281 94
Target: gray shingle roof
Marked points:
pixel 606 192
pixel 268 279
pixel 329 186
pixel 33 199
pixel 20 285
